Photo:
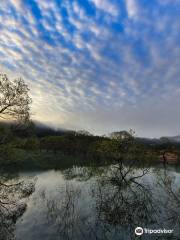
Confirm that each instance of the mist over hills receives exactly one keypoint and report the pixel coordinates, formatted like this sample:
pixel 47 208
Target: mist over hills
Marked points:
pixel 174 139
pixel 42 130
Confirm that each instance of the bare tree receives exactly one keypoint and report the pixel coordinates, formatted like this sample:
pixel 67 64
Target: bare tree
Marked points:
pixel 14 99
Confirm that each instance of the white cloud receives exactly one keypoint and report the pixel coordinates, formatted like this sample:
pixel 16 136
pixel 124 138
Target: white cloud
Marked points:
pixel 132 8
pixel 96 78
pixel 107 6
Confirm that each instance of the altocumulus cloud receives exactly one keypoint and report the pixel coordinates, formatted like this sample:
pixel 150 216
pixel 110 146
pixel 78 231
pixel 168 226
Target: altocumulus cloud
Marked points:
pixel 101 65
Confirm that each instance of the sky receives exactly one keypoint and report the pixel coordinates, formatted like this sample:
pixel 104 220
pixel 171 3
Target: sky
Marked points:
pixel 97 65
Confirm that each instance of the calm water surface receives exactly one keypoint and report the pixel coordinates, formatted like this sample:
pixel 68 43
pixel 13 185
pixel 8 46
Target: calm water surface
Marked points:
pixel 101 203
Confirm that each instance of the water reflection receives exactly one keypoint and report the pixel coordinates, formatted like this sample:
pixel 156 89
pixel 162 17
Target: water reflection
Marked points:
pixel 13 193
pixel 169 199
pixel 124 201
pixel 123 205
pixel 102 203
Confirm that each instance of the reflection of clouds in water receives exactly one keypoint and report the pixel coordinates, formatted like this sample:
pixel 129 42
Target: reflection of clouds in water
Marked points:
pixel 122 203
pixel 169 199
pixel 68 214
pixel 98 207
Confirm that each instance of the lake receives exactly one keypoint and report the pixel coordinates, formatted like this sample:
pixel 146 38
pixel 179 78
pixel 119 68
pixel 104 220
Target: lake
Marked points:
pixel 102 203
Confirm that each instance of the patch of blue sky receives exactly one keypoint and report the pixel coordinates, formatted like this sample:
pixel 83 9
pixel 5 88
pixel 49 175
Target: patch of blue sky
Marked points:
pixel 34 8
pixel 94 53
pixel 88 7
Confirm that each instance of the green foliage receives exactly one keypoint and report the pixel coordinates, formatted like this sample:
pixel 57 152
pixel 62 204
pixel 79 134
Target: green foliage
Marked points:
pixel 7 154
pixel 5 134
pixel 48 151
pixel 31 144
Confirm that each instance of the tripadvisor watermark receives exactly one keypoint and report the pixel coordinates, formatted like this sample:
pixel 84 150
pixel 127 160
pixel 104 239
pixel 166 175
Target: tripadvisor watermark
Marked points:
pixel 140 231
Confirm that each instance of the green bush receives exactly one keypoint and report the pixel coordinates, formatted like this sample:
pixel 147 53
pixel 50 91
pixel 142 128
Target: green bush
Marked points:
pixel 7 154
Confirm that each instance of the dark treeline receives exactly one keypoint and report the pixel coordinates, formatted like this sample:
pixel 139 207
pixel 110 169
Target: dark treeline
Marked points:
pixel 21 141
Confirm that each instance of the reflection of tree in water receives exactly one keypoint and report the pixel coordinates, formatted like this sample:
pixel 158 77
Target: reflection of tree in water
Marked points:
pixel 115 202
pixel 169 200
pixel 67 212
pixel 119 201
pixel 123 203
pixel 64 213
pixel 79 173
pixel 12 204
pixel 83 173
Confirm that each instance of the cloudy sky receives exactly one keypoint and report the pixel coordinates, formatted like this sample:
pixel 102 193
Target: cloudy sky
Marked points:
pixel 99 65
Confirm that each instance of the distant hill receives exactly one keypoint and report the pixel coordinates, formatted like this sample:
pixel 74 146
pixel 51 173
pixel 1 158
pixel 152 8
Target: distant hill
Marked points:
pixel 37 128
pixel 42 130
pixel 148 141
pixel 173 139
pixel 154 141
